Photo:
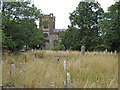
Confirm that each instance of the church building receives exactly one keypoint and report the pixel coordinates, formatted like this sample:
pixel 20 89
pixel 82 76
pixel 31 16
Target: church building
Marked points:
pixel 51 34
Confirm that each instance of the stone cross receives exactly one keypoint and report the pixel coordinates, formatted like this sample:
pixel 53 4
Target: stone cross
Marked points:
pixel 12 70
pixel 21 68
pixel 64 65
pixel 68 81
pixel 82 50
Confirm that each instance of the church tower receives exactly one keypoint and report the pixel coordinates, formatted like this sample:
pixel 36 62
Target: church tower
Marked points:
pixel 48 27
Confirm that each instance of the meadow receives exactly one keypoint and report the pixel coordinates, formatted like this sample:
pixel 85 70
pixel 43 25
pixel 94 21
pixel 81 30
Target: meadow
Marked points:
pixel 94 70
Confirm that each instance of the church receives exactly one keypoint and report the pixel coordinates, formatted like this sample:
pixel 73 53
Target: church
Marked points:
pixel 51 34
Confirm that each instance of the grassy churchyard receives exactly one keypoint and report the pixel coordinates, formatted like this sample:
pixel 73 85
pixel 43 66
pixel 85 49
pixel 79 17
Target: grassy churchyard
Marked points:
pixel 40 69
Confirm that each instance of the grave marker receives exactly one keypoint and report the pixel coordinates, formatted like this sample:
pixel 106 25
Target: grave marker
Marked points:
pixel 115 52
pixel 82 50
pixel 21 68
pixel 64 65
pixel 12 70
pixel 68 81
pixel 111 52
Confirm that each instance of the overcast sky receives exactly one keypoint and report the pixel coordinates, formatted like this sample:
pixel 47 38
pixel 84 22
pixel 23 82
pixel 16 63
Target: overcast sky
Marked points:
pixel 62 8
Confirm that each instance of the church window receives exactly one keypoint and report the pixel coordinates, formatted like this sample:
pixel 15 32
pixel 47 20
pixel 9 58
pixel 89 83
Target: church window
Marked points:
pixel 45 35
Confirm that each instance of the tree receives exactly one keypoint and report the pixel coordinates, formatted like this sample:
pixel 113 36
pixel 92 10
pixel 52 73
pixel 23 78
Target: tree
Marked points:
pixel 19 23
pixel 85 18
pixel 111 28
pixel 7 42
pixel 69 38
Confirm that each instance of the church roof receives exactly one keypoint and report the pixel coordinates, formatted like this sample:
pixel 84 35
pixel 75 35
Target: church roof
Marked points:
pixel 59 30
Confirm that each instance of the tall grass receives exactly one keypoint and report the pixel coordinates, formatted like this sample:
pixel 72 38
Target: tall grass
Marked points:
pixel 91 71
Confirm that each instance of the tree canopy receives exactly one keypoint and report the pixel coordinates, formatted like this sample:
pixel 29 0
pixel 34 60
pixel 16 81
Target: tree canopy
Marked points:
pixel 93 28
pixel 18 23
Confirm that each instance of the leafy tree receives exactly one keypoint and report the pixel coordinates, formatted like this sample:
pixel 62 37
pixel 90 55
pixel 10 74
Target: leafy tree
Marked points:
pixel 85 18
pixel 111 28
pixel 7 42
pixel 19 23
pixel 69 38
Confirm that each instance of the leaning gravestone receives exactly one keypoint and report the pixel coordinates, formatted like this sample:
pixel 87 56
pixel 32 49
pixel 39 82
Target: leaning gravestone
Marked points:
pixel 64 65
pixel 82 50
pixel 12 70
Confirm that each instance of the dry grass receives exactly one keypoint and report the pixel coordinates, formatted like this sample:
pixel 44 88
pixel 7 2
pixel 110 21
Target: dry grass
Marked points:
pixel 91 71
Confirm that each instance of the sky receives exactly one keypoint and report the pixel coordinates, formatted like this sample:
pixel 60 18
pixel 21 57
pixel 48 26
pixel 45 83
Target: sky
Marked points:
pixel 62 8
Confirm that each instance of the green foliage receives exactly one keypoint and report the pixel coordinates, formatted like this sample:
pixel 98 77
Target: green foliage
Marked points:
pixel 58 47
pixel 110 27
pixel 9 84
pixel 19 24
pixel 70 37
pixel 85 18
pixel 76 47
pixel 55 48
pixel 7 42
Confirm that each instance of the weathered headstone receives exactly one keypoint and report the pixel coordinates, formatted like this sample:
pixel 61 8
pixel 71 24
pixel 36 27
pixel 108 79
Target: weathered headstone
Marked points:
pixel 64 65
pixel 37 45
pixel 12 70
pixel 21 68
pixel 106 50
pixel 82 50
pixel 68 81
pixel 111 52
pixel 115 52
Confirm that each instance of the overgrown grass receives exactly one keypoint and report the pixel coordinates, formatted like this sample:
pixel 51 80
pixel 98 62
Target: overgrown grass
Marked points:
pixel 91 71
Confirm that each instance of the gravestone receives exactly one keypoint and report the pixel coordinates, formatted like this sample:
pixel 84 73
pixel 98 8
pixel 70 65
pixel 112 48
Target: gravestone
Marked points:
pixel 106 50
pixel 111 52
pixel 68 81
pixel 64 65
pixel 12 70
pixel 21 68
pixel 82 50
pixel 115 52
